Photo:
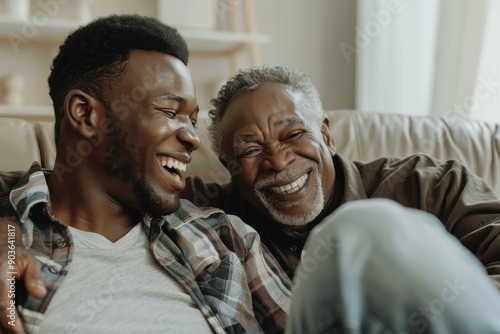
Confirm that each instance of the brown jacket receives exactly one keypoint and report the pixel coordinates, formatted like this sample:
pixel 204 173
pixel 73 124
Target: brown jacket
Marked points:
pixel 463 202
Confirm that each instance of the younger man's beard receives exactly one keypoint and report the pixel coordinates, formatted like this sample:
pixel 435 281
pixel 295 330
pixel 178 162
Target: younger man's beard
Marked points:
pixel 115 166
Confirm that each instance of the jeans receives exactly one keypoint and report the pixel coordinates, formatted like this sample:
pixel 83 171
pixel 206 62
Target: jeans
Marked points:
pixel 374 266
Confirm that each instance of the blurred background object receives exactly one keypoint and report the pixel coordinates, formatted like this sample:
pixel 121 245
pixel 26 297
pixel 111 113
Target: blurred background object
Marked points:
pixel 13 89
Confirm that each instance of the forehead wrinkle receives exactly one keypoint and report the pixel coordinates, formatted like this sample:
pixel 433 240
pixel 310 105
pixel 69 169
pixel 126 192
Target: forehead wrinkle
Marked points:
pixel 170 96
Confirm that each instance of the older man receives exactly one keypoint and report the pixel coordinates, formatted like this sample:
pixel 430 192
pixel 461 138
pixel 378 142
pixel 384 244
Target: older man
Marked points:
pixel 382 264
pixel 270 131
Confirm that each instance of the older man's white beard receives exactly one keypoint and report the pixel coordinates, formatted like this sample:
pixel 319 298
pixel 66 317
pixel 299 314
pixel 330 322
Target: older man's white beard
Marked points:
pixel 298 219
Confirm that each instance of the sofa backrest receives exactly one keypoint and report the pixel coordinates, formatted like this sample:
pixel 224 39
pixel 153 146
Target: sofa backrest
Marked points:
pixel 366 136
pixel 358 136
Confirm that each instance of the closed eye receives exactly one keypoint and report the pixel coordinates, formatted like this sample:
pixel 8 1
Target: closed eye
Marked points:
pixel 250 152
pixel 170 113
pixel 293 135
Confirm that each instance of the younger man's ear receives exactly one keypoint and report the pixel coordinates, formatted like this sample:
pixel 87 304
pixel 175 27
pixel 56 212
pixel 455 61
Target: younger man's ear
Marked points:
pixel 82 112
pixel 327 135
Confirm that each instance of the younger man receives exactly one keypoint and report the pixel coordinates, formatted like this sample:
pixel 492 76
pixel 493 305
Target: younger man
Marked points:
pixel 119 251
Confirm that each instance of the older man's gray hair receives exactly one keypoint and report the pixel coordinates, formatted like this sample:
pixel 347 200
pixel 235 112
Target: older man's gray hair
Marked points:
pixel 249 80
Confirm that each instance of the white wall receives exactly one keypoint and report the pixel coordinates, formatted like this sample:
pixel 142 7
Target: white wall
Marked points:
pixel 307 35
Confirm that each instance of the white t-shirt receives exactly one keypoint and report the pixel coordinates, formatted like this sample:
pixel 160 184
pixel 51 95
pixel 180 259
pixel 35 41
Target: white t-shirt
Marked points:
pixel 120 288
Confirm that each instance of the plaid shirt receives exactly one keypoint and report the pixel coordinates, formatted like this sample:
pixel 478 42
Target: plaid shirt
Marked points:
pixel 236 284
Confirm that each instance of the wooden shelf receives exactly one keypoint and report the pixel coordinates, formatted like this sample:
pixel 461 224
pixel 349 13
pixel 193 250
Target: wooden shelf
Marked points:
pixel 219 41
pixel 199 41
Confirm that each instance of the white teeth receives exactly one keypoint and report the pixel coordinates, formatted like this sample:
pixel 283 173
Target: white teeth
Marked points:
pixel 172 163
pixel 291 187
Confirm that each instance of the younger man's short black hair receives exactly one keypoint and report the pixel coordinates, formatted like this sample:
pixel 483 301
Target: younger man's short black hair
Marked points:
pixel 96 54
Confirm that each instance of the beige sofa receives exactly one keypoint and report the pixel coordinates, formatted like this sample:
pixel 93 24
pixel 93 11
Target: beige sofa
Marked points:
pixel 358 136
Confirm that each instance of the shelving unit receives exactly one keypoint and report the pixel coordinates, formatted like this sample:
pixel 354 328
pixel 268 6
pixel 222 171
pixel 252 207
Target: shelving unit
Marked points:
pixel 200 42
pixel 232 44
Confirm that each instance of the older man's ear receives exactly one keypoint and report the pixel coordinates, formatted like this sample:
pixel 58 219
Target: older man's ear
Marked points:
pixel 328 136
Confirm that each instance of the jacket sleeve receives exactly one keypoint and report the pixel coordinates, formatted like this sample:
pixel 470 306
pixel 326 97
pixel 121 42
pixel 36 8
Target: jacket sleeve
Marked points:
pixel 471 212
pixel 465 204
